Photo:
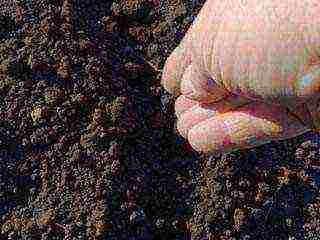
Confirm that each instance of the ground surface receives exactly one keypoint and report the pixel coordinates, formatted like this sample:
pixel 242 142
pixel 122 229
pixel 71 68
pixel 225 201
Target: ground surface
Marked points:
pixel 88 147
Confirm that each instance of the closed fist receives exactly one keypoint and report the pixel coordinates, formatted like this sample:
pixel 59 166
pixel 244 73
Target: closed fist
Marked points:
pixel 247 72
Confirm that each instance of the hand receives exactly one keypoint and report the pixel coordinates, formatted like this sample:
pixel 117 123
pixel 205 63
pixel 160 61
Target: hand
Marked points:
pixel 246 73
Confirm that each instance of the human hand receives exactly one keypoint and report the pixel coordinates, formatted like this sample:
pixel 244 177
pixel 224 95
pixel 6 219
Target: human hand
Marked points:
pixel 247 72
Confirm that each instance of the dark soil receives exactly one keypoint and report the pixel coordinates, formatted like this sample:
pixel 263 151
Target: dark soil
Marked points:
pixel 88 147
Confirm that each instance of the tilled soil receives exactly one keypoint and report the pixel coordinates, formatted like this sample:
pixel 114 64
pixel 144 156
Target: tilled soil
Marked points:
pixel 88 147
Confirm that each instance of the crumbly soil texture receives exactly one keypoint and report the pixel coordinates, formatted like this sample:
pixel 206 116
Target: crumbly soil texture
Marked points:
pixel 88 145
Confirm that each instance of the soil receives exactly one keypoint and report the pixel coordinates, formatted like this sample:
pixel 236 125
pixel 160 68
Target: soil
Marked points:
pixel 88 146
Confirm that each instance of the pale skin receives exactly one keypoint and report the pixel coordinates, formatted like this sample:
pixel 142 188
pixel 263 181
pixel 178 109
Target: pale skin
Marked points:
pixel 247 72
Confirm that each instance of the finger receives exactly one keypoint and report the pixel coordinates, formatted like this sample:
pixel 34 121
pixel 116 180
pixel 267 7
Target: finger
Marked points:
pixel 202 112
pixel 200 87
pixel 183 104
pixel 176 65
pixel 251 125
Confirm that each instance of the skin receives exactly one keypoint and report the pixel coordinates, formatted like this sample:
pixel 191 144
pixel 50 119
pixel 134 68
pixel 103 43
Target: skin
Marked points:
pixel 246 73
